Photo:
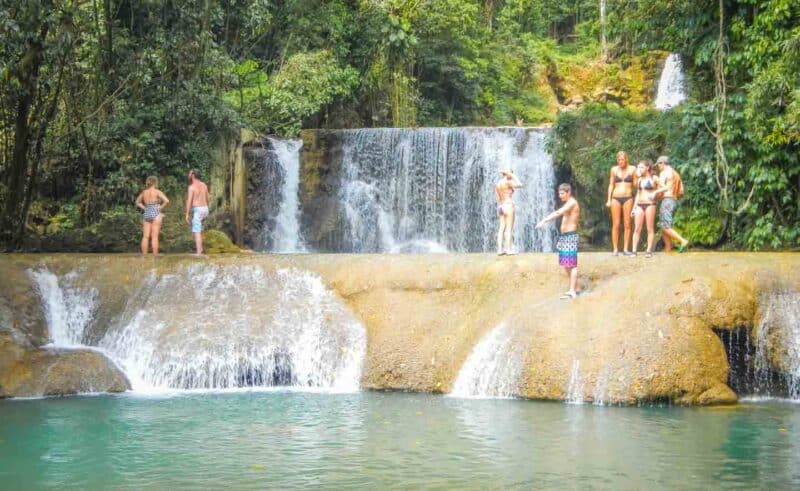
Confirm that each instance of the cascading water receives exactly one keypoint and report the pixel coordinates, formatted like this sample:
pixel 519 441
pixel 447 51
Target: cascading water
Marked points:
pixel 575 387
pixel 766 362
pixel 493 369
pixel 68 307
pixel 432 189
pixel 671 90
pixel 780 324
pixel 286 236
pixel 211 327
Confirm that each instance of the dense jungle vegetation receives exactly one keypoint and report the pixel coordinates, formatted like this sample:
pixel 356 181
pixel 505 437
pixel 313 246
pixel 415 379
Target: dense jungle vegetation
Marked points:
pixel 96 95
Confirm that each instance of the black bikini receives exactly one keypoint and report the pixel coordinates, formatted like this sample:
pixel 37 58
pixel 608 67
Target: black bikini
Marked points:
pixel 647 185
pixel 617 179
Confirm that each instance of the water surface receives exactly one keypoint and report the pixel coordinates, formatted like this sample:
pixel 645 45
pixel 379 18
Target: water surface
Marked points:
pixel 285 440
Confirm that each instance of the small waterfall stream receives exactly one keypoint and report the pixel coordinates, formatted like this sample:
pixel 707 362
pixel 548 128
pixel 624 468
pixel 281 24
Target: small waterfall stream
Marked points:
pixel 765 361
pixel 287 237
pixel 493 369
pixel 671 90
pixel 575 387
pixel 68 307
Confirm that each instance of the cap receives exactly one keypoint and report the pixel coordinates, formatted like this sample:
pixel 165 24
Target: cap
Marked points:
pixel 663 160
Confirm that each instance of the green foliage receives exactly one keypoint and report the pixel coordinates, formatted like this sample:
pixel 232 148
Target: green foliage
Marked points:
pixel 306 83
pixel 95 96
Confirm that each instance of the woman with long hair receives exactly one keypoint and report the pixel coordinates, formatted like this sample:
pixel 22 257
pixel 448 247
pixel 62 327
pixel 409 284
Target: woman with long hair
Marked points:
pixel 151 201
pixel 644 205
pixel 620 201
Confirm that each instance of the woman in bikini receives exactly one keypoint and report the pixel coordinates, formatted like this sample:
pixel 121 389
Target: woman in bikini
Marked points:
pixel 505 210
pixel 644 205
pixel 151 201
pixel 620 201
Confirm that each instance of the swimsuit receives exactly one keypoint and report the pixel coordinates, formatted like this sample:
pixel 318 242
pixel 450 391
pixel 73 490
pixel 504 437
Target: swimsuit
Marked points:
pixel 665 217
pixel 617 179
pixel 507 206
pixel 151 211
pixel 199 213
pixel 567 246
pixel 647 185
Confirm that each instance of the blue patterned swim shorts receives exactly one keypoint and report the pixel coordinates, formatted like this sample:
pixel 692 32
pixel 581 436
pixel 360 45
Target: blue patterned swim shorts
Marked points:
pixel 567 247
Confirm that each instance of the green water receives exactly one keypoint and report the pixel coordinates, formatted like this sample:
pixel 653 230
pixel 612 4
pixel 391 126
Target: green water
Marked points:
pixel 284 440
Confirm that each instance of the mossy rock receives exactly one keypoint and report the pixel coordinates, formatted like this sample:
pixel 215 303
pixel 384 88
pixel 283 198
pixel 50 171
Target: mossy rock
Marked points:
pixel 217 242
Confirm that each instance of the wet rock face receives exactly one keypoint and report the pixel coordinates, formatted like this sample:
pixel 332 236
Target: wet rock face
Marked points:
pixel 38 372
pixel 21 315
pixel 262 202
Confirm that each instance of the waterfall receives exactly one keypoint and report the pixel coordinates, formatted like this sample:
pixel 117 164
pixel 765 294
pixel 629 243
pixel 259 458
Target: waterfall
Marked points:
pixel 778 331
pixel 68 307
pixel 493 369
pixel 286 236
pixel 432 189
pixel 213 327
pixel 575 387
pixel 671 90
pixel 765 361
pixel 601 386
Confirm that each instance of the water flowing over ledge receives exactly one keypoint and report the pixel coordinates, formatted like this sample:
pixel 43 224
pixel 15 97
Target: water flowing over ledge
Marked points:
pixel 402 190
pixel 206 327
pixel 473 325
pixel 493 369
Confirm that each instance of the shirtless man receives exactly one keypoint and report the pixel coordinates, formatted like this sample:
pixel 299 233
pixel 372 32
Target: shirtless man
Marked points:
pixel 505 209
pixel 669 203
pixel 567 244
pixel 197 203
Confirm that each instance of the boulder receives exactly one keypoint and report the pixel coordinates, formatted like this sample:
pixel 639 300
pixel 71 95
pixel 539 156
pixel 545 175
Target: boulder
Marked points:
pixel 21 315
pixel 45 372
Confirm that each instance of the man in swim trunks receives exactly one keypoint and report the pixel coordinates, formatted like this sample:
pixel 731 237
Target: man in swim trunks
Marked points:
pixel 567 244
pixel 669 203
pixel 197 204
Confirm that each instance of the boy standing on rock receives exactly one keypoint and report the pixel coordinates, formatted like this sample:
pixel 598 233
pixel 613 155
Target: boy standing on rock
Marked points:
pixel 567 244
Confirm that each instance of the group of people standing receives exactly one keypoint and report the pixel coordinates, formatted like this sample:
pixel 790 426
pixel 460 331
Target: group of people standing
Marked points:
pixel 152 201
pixel 634 194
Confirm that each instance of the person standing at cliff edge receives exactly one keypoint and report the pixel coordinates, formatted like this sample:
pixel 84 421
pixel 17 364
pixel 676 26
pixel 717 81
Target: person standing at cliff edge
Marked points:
pixel 567 244
pixel 197 203
pixel 672 187
pixel 504 191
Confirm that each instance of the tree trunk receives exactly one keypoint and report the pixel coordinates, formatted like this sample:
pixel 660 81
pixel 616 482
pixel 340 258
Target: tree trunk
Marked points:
pixel 36 159
pixel 28 77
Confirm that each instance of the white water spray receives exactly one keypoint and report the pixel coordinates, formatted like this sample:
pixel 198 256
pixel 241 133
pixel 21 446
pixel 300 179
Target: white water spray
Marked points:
pixel 575 388
pixel 286 236
pixel 432 189
pixel 780 323
pixel 210 327
pixel 671 90
pixel 493 369
pixel 68 307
